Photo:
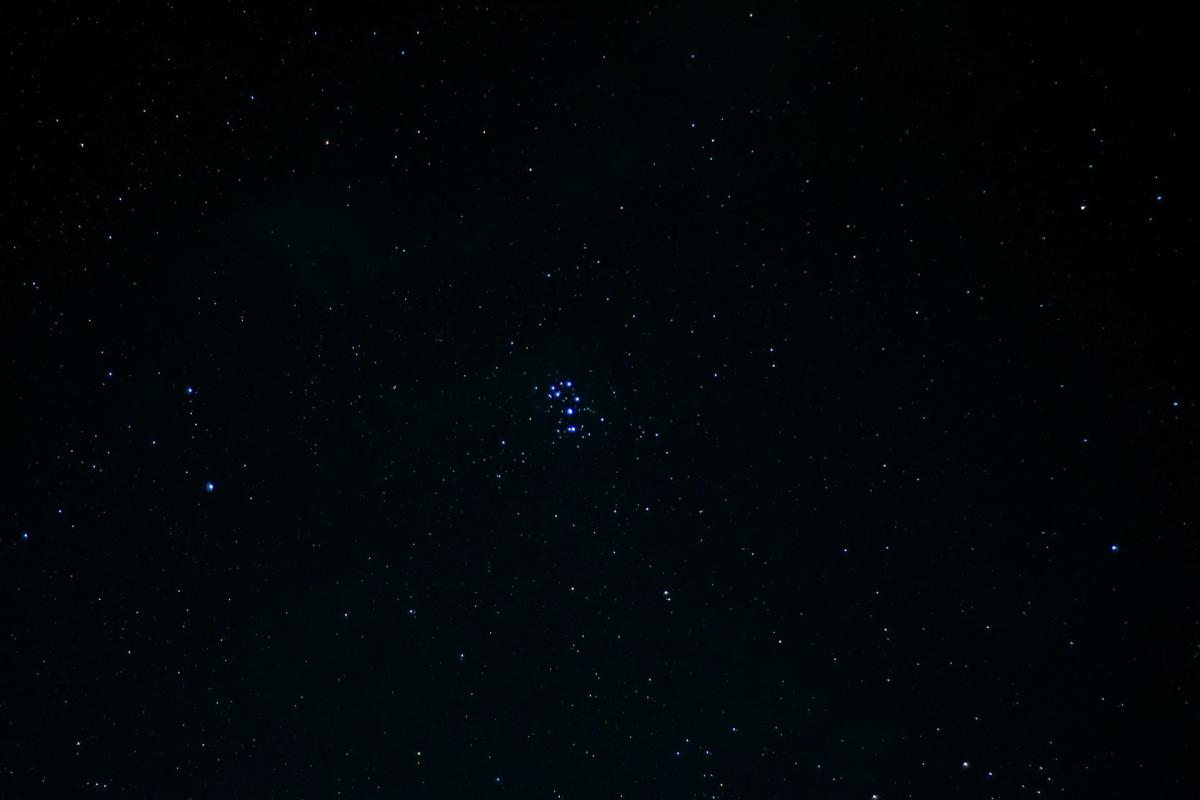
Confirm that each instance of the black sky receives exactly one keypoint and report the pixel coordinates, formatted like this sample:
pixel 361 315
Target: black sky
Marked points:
pixel 880 480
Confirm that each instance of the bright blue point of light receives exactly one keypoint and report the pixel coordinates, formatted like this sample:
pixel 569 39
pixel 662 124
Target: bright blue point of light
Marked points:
pixel 570 412
pixel 570 429
pixel 188 390
pixel 25 535
pixel 1158 197
pixel 558 394
pixel 210 487
pixel 568 384
pixel 1114 548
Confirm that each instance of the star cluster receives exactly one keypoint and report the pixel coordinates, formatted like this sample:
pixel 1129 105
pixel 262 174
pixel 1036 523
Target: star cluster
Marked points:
pixel 571 415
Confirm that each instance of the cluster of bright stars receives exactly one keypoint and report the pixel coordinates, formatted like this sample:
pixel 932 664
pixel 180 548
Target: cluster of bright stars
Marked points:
pixel 566 406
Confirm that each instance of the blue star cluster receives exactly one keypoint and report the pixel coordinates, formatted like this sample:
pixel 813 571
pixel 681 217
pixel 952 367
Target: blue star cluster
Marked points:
pixel 571 415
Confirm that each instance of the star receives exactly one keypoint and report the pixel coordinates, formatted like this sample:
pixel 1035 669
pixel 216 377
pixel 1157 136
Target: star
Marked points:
pixel 210 487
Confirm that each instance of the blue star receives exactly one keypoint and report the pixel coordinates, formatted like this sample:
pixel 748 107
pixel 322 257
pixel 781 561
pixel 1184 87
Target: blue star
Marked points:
pixel 570 429
pixel 188 390
pixel 568 384
pixel 1114 548
pixel 570 412
pixel 25 535
pixel 210 487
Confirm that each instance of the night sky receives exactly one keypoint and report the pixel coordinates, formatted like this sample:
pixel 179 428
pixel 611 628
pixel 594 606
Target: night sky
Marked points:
pixel 564 402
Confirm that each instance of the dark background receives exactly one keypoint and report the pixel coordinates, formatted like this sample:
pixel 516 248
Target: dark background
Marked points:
pixel 886 311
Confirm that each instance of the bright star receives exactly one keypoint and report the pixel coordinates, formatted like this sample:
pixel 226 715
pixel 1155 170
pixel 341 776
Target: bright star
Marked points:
pixel 210 487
